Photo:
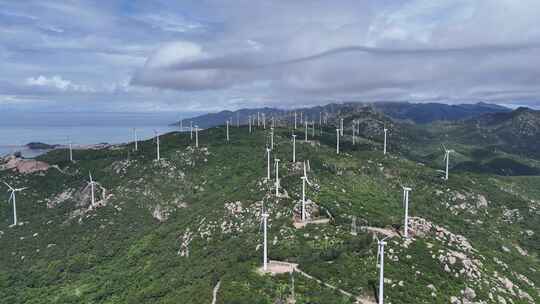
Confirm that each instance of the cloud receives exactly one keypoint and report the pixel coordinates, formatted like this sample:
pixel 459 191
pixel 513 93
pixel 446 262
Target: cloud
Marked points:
pixel 57 82
pixel 209 55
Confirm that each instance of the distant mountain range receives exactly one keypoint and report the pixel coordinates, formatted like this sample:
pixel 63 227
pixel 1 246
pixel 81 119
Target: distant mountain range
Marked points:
pixel 415 112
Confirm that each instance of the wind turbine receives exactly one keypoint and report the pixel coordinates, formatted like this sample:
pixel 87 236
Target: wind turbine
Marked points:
pixel 227 131
pixel 295 120
pixel 249 121
pixel 268 163
pixel 341 127
pixel 196 136
pixel 272 138
pixel 447 159
pixel 380 259
pixel 305 135
pixel 337 141
pixel 258 119
pixel 157 144
pixel 264 120
pixel 304 181
pixel 406 191
pixel 70 150
pixel 92 183
pixel 264 216
pixel 12 197
pixel 353 133
pixel 191 130
pixel 135 140
pixel 276 161
pixel 294 148
pixel 385 132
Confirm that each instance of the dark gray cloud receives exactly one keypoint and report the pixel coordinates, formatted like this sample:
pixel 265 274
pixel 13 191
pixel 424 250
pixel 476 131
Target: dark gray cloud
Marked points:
pixel 205 55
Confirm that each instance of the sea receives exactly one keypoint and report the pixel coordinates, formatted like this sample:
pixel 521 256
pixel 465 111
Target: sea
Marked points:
pixel 20 128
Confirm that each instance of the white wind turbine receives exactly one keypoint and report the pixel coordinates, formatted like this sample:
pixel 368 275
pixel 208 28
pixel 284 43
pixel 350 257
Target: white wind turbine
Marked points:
pixel 295 120
pixel 272 138
pixel 227 131
pixel 264 120
pixel 258 119
pixel 70 150
pixel 294 148
pixel 264 216
pixel 380 259
pixel 406 191
pixel 304 181
pixel 447 159
pixel 12 197
pixel 196 136
pixel 305 134
pixel 249 122
pixel 191 130
pixel 353 133
pixel 337 141
pixel 135 140
pixel 276 161
pixel 268 163
pixel 92 183
pixel 385 133
pixel 157 145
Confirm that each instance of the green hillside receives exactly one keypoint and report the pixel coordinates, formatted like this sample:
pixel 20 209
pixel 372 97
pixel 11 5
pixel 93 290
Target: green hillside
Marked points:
pixel 168 231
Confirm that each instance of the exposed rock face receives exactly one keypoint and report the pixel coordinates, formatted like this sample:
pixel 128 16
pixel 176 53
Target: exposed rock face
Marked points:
pixel 24 166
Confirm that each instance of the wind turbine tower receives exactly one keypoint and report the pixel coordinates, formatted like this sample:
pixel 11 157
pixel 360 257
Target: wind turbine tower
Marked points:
pixel 227 131
pixel 157 144
pixel 385 133
pixel 276 161
pixel 272 138
pixel 380 258
pixel 294 148
pixel 447 160
pixel 70 150
pixel 135 140
pixel 92 183
pixel 337 141
pixel 305 135
pixel 406 191
pixel 268 163
pixel 265 243
pixel 196 136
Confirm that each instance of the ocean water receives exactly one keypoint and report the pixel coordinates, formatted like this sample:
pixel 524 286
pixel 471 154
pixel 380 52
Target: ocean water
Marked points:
pixel 20 128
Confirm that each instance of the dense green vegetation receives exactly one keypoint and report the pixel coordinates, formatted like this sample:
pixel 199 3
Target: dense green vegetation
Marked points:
pixel 132 249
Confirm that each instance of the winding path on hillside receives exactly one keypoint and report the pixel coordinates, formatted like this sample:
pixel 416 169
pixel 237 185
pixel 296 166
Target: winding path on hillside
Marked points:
pixel 215 292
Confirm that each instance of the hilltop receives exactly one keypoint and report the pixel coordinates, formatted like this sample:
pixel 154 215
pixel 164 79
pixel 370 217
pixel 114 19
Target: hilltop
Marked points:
pixel 187 227
pixel 421 113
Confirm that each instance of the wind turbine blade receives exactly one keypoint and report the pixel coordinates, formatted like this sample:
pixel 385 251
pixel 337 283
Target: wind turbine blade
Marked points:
pixel 11 188
pixel 90 175
pixel 11 197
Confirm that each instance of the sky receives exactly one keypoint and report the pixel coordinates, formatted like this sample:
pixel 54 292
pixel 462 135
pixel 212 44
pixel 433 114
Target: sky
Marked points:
pixel 204 55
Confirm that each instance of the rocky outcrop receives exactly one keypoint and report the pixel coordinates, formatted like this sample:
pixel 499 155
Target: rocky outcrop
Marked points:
pixel 24 166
